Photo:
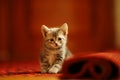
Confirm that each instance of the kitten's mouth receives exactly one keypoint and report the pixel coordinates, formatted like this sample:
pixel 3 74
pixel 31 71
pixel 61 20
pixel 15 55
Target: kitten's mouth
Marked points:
pixel 53 47
pixel 56 47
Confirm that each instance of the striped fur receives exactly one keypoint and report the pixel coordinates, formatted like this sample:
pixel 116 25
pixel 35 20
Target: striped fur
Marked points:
pixel 54 50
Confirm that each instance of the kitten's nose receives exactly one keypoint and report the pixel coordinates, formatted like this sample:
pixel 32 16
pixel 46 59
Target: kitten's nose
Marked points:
pixel 56 44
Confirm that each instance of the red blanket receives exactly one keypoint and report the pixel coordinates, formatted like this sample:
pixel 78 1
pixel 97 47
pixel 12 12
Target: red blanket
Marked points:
pixel 93 66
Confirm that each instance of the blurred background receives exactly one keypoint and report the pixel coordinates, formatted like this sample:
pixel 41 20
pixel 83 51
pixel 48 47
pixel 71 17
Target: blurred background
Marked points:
pixel 94 25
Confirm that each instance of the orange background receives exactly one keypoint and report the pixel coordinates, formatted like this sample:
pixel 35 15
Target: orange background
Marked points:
pixel 91 25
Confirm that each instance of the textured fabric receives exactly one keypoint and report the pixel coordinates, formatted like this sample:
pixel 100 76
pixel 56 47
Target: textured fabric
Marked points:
pixel 30 77
pixel 91 66
pixel 19 67
pixel 105 65
pixel 24 70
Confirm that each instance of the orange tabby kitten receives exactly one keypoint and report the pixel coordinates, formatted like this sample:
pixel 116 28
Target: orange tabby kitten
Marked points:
pixel 54 51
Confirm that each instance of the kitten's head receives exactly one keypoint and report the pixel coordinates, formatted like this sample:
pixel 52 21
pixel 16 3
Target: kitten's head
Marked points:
pixel 55 38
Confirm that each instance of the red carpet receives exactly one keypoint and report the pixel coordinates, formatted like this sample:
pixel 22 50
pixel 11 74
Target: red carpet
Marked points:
pixel 93 66
pixel 24 70
pixel 19 67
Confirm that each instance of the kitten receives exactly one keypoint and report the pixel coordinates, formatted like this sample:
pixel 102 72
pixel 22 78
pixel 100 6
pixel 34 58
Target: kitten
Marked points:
pixel 54 51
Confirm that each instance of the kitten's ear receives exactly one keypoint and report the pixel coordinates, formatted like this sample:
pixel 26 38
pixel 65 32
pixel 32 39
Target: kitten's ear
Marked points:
pixel 64 28
pixel 44 30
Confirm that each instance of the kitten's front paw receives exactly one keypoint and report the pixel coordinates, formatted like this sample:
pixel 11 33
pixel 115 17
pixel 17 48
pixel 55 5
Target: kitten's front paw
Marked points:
pixel 53 70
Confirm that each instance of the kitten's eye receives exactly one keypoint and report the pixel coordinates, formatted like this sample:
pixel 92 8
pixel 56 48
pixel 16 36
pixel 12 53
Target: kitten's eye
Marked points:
pixel 51 40
pixel 59 39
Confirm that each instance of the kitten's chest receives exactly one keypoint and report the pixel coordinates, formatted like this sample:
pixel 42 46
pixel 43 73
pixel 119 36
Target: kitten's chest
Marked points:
pixel 51 58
